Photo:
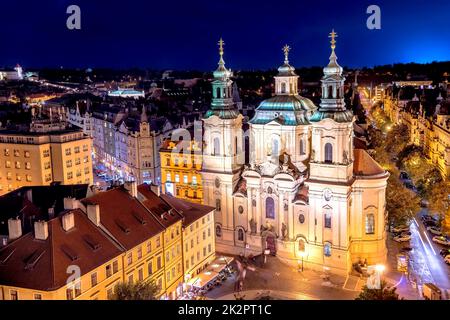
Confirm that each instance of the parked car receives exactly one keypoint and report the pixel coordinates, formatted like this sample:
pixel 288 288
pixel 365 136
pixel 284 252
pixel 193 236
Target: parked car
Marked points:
pixel 434 230
pixel 402 238
pixel 401 228
pixel 441 240
pixel 429 223
pixel 444 252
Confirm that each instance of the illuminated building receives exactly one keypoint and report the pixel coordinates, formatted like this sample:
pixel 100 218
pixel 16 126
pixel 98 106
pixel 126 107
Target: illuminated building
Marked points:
pixel 306 193
pixel 40 158
pixel 181 163
pixel 126 93
pixel 127 234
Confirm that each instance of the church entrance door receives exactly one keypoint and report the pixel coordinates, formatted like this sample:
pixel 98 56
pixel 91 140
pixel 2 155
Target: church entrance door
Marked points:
pixel 270 244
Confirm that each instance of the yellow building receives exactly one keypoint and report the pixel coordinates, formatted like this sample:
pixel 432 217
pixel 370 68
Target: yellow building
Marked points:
pixel 181 163
pixel 32 158
pixel 127 234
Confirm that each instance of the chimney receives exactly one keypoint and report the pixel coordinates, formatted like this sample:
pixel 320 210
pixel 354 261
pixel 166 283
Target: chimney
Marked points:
pixel 131 187
pixel 68 221
pixel 155 188
pixel 41 230
pixel 51 213
pixel 14 228
pixel 93 213
pixel 29 195
pixel 70 203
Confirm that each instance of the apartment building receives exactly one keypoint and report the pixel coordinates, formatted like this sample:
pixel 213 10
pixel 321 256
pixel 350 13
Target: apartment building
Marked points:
pixel 40 158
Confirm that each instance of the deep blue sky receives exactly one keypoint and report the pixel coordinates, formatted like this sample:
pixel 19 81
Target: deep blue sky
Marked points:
pixel 183 34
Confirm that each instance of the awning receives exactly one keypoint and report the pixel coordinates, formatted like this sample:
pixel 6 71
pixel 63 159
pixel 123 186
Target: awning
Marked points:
pixel 211 272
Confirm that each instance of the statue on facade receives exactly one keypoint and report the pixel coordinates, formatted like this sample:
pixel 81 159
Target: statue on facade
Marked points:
pixel 313 154
pixel 269 149
pixel 253 226
pixel 345 157
pixel 283 231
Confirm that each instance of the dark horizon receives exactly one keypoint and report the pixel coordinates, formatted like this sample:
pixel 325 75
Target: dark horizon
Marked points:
pixel 181 35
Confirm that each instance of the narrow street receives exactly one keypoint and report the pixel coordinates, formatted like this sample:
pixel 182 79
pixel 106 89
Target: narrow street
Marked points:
pixel 425 263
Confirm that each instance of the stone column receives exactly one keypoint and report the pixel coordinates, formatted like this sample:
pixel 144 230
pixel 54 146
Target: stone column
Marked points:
pixel 280 213
pixel 249 207
pixel 259 214
pixel 291 218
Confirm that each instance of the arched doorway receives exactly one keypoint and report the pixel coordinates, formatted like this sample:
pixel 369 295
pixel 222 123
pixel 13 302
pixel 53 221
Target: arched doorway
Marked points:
pixel 269 242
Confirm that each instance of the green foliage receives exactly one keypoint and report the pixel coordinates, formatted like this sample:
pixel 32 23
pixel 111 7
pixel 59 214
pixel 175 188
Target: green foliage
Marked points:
pixel 142 290
pixel 384 293
pixel 402 204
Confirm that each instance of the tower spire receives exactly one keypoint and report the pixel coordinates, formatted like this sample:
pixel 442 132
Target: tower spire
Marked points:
pixel 333 35
pixel 286 50
pixel 221 43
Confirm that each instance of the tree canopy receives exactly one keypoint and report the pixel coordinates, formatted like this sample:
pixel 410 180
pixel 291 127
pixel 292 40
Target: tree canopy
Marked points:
pixel 142 290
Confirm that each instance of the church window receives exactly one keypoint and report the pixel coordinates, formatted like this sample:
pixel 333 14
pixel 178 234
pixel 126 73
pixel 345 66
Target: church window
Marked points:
pixel 327 218
pixel 283 87
pixel 302 147
pixel 217 183
pixel 218 205
pixel 240 234
pixel 301 218
pixel 275 147
pixel 270 208
pixel 327 249
pixel 216 147
pixel 328 153
pixel 370 223
pixel 330 92
pixel 240 209
pixel 218 93
pixel 218 231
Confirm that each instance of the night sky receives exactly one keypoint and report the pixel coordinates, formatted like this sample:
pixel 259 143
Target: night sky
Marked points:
pixel 183 34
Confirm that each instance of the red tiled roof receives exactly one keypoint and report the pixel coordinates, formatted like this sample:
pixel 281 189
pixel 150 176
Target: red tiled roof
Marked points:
pixel 42 264
pixel 160 209
pixel 125 217
pixel 365 165
pixel 190 211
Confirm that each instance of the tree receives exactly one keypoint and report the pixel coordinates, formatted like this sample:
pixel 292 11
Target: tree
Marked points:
pixel 384 293
pixel 397 139
pixel 439 203
pixel 142 290
pixel 401 203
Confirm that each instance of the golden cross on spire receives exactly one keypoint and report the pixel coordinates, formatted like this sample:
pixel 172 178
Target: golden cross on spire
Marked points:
pixel 286 50
pixel 221 43
pixel 333 35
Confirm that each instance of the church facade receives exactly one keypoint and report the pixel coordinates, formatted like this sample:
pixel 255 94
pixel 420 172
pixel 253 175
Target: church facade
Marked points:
pixel 306 194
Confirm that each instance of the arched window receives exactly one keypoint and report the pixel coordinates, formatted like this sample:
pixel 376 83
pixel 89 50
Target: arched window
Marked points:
pixel 275 151
pixel 330 92
pixel 218 231
pixel 370 223
pixel 328 153
pixel 216 150
pixel 283 87
pixel 240 234
pixel 327 217
pixel 302 147
pixel 270 208
pixel 236 145
pixel 327 249
pixel 218 93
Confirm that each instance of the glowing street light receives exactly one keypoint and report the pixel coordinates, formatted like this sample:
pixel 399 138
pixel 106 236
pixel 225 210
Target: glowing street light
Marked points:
pixel 380 268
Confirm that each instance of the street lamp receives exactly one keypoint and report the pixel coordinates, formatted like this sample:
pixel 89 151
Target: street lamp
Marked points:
pixel 302 254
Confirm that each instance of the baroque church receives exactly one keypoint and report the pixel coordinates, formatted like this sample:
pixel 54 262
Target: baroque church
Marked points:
pixel 307 194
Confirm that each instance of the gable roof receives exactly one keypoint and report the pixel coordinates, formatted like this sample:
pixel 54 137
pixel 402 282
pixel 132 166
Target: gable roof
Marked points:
pixel 365 165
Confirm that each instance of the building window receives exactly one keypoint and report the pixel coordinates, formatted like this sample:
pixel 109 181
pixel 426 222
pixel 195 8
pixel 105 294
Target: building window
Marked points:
pixel 185 179
pixel 204 251
pixel 327 218
pixel 327 249
pixel 141 274
pixel 37 296
pixel 177 178
pixel 69 294
pixel 27 165
pixel 150 268
pixel 149 247
pixel 283 87
pixel 370 223
pixel 209 232
pixel 209 248
pixel 204 235
pixel 115 266
pixel 194 180
pixel 108 271
pixel 240 235
pixel 168 162
pixel 218 205
pixel 216 150
pixel 218 231
pixel 139 253
pixel 328 153
pixel 241 209
pixel 192 243
pixel 130 278
pixel 275 151
pixel 270 208
pixel 130 258
pixel 302 147
pixel 93 279
pixel 158 263
pixel 14 295
pixel 168 177
pixel 186 193
pixel 76 149
pixel 69 175
pixel 68 152
pixel 158 242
